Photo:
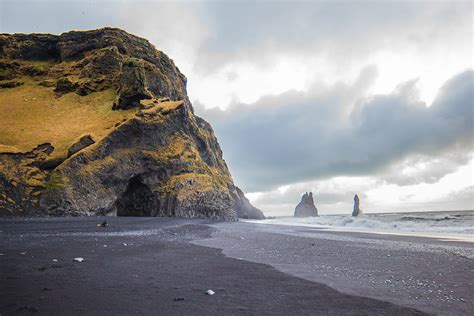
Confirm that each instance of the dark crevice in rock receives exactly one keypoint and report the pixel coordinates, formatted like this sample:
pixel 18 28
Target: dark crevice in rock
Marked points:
pixel 64 85
pixel 51 164
pixel 137 200
pixel 10 84
pixel 83 142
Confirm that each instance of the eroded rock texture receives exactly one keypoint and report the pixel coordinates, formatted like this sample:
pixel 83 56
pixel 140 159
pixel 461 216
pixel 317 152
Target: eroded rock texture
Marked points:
pixel 157 159
pixel 245 209
pixel 306 207
pixel 356 211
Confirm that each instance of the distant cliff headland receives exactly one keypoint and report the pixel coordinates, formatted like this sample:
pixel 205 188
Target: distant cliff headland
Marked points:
pixel 99 122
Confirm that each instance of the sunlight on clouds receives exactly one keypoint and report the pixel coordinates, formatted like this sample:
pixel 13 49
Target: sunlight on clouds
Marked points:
pixel 246 82
pixel 283 189
pixel 430 68
pixel 254 196
pixel 394 196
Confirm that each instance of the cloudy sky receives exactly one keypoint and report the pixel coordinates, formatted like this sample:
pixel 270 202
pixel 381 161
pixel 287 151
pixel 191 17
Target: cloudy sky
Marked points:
pixel 338 98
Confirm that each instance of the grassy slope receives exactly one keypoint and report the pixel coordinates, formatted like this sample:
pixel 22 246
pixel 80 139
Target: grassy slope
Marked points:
pixel 32 114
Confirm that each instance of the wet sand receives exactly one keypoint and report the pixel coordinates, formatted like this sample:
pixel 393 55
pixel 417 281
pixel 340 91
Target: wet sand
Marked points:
pixel 150 266
pixel 435 276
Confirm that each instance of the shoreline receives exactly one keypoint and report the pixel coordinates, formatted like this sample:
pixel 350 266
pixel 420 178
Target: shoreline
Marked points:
pixel 452 225
pixel 436 276
pixel 151 265
pixel 400 232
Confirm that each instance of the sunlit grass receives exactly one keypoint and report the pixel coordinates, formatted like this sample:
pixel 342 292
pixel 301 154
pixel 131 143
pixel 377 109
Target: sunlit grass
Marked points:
pixel 32 114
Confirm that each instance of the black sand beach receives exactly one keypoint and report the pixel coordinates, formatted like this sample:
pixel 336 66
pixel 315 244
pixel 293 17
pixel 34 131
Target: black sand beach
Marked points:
pixel 150 266
pixel 435 276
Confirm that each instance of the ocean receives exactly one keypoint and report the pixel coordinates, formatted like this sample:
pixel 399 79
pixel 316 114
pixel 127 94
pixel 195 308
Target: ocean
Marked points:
pixel 450 224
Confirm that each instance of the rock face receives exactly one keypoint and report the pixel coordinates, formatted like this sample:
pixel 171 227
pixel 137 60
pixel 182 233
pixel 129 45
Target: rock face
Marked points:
pixel 306 207
pixel 357 211
pixel 146 152
pixel 82 143
pixel 245 209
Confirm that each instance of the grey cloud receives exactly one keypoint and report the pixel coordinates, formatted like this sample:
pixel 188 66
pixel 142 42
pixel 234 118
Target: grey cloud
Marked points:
pixel 56 16
pixel 342 30
pixel 459 200
pixel 213 34
pixel 424 168
pixel 302 136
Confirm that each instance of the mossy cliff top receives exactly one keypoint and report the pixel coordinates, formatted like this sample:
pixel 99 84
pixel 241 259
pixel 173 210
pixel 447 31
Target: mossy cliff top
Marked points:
pixel 99 122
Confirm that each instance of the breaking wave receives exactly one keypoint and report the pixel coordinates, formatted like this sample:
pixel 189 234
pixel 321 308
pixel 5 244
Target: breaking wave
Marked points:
pixel 432 222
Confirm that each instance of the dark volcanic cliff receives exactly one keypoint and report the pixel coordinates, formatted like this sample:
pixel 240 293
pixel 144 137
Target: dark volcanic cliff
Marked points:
pixel 99 122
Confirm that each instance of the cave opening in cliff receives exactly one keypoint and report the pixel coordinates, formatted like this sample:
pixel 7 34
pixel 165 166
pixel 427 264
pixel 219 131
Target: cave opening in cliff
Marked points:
pixel 137 200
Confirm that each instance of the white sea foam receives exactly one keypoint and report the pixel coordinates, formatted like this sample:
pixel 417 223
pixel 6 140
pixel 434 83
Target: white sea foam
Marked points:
pixel 434 224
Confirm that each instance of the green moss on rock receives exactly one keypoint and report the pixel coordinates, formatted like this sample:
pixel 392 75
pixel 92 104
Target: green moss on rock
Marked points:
pixel 149 150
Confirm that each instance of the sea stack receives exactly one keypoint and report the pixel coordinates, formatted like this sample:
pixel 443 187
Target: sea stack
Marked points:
pixel 357 211
pixel 306 207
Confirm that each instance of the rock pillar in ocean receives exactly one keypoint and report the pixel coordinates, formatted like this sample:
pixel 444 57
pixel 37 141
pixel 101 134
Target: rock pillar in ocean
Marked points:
pixel 306 207
pixel 357 211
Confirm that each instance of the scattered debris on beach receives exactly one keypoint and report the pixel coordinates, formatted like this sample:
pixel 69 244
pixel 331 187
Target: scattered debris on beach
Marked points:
pixel 103 224
pixel 78 259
